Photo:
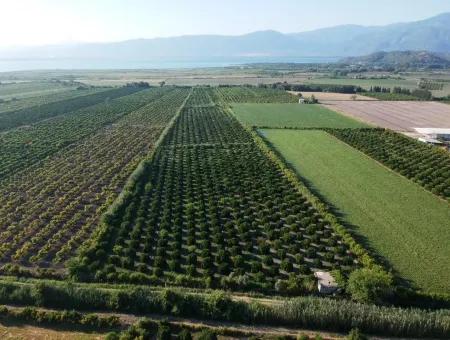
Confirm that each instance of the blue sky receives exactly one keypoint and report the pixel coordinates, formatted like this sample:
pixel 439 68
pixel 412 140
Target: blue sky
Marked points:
pixel 36 22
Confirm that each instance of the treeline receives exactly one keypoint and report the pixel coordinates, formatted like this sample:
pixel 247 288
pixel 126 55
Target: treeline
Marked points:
pixel 422 94
pixel 138 84
pixel 349 89
pixel 310 312
pixel 396 92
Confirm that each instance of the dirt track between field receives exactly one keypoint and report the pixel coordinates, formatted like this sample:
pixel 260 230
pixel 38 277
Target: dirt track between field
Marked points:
pixel 401 116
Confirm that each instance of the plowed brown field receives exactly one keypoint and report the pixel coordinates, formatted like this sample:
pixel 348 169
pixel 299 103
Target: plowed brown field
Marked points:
pixel 401 116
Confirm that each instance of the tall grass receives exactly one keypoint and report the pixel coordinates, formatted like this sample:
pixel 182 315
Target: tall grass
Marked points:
pixel 307 312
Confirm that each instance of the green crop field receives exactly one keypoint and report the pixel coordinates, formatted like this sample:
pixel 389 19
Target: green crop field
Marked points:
pixel 402 222
pixel 424 164
pixel 292 115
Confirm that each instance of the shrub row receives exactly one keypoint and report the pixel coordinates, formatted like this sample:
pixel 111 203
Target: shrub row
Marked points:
pixel 64 318
pixel 308 312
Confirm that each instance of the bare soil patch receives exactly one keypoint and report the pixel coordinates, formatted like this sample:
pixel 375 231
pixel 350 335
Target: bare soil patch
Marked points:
pixel 401 116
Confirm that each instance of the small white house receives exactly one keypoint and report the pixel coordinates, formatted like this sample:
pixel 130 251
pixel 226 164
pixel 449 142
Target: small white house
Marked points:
pixel 301 100
pixel 325 283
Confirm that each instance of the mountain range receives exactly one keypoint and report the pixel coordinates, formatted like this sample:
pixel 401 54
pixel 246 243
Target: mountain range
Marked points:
pixel 401 59
pixel 432 34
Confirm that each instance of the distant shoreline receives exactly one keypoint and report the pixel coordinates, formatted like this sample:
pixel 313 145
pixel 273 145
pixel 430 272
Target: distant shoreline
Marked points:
pixel 11 65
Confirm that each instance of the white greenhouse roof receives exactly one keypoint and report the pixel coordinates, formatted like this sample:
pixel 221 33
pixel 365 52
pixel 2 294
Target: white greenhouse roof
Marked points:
pixel 438 131
pixel 430 140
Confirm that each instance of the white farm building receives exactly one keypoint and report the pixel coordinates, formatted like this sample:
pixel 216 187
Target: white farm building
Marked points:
pixel 434 133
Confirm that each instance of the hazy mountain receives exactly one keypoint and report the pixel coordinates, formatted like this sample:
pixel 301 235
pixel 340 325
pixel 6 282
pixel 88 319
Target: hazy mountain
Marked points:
pixel 350 40
pixel 401 58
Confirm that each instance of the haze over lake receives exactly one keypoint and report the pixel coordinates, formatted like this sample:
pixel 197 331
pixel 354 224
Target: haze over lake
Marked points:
pixel 156 63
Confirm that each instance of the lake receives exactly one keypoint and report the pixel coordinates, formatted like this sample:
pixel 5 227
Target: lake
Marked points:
pixel 7 65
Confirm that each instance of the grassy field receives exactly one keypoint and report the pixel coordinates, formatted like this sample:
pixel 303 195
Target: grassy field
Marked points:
pixel 402 222
pixel 292 115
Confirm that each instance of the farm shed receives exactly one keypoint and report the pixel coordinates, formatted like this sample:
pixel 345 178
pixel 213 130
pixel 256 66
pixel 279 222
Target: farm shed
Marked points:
pixel 301 100
pixel 325 282
pixel 435 133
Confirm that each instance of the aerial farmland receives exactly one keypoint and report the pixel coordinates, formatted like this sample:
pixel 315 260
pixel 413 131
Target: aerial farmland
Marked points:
pixel 237 189
pixel 239 170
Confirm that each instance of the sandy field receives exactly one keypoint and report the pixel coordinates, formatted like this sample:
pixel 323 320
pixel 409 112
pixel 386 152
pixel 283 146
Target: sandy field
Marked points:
pixel 328 96
pixel 401 116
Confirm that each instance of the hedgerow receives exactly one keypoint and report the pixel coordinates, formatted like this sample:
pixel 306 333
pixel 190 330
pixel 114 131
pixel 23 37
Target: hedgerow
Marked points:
pixel 309 312
pixel 65 318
